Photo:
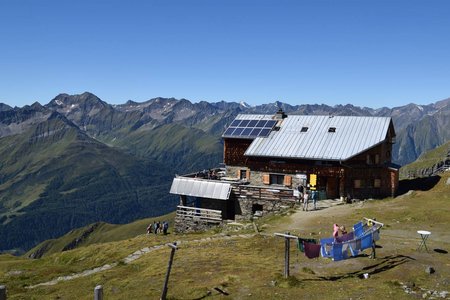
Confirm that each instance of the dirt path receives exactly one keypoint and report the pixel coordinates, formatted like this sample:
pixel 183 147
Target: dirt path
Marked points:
pixel 306 221
pixel 133 256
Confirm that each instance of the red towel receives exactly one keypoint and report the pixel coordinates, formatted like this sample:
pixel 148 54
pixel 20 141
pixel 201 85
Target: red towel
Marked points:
pixel 311 250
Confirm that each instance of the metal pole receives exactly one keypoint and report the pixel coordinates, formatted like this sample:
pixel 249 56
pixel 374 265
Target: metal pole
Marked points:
pixel 286 255
pixel 2 292
pixel 98 292
pixel 169 267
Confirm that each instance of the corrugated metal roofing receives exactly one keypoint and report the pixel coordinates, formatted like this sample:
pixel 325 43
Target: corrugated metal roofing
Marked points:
pixel 200 188
pixel 253 117
pixel 352 136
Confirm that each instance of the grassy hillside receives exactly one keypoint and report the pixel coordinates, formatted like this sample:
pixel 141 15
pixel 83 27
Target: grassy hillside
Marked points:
pixel 95 233
pixel 250 267
pixel 55 178
pixel 184 149
pixel 426 161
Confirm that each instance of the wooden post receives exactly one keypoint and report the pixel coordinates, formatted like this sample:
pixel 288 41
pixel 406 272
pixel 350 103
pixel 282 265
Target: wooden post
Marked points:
pixel 2 292
pixel 169 267
pixel 98 292
pixel 287 246
pixel 286 255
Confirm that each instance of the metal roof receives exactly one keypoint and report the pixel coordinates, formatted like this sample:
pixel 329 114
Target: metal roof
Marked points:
pixel 352 135
pixel 200 188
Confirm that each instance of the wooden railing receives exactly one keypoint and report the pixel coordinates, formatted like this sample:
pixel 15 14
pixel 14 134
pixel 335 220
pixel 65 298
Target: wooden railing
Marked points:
pixel 264 193
pixel 210 215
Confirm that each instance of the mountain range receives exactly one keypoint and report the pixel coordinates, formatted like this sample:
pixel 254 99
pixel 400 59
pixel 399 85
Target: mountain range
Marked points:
pixel 78 159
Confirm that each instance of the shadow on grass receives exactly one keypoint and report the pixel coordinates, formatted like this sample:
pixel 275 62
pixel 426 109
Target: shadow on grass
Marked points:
pixel 442 251
pixel 385 263
pixel 417 184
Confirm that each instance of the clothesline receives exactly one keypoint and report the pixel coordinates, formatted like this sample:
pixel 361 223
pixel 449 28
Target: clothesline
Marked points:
pixel 362 237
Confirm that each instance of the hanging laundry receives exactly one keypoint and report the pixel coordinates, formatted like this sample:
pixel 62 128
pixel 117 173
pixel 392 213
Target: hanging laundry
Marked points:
pixel 300 243
pixel 337 252
pixel 376 235
pixel 326 246
pixel 311 250
pixel 352 246
pixel 366 241
pixel 346 237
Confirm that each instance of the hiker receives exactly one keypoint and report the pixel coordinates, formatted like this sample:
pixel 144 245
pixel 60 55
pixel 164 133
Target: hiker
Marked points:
pixel 157 227
pixel 305 201
pixel 343 230
pixel 165 227
pixel 314 198
pixel 149 228
pixel 301 189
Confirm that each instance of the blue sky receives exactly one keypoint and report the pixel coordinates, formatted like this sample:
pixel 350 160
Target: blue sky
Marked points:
pixel 367 53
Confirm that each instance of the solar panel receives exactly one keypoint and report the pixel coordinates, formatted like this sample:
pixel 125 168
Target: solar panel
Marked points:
pixel 235 123
pixel 238 131
pixel 256 132
pixel 249 128
pixel 252 123
pixel 246 131
pixel 244 123
pixel 229 131
pixel 265 132
pixel 261 123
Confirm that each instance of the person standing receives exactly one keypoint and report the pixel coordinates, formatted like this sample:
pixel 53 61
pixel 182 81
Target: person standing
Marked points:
pixel 165 227
pixel 301 190
pixel 305 200
pixel 157 227
pixel 314 198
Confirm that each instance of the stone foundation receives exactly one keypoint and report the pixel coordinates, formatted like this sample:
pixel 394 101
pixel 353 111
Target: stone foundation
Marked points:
pixel 185 225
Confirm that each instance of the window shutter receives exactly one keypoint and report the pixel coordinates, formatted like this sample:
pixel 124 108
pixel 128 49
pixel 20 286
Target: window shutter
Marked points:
pixel 238 173
pixel 248 174
pixel 266 178
pixel 287 180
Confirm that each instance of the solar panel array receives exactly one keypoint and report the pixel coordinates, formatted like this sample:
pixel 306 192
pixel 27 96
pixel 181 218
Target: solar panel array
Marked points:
pixel 249 128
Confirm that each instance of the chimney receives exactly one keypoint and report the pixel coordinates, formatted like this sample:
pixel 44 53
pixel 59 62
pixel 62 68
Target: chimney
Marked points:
pixel 280 115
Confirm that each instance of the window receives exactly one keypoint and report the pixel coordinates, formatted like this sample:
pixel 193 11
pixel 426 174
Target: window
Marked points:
pixel 368 159
pixel 243 174
pixel 377 183
pixel 377 159
pixel 276 179
pixel 332 129
pixel 357 184
pixel 304 129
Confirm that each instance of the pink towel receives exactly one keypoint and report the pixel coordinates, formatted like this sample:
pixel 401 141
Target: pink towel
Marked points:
pixel 335 230
pixel 311 250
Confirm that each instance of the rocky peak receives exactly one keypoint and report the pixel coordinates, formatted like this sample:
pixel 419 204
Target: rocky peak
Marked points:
pixel 5 107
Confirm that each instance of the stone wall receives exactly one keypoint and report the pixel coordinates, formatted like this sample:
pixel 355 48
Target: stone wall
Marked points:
pixel 185 224
pixel 272 200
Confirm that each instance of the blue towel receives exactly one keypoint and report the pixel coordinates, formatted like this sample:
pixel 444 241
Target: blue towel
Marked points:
pixel 366 241
pixel 337 252
pixel 357 225
pixel 353 249
pixel 324 244
pixel 359 231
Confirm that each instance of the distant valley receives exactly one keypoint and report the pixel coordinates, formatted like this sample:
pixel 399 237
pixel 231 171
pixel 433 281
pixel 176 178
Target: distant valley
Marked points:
pixel 78 159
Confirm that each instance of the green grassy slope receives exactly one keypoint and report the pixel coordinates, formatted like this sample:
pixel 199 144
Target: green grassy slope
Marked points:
pixel 54 177
pixel 95 233
pixel 184 149
pixel 426 160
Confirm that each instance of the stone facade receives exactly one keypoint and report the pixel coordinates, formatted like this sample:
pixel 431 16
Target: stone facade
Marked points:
pixel 185 224
pixel 255 201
